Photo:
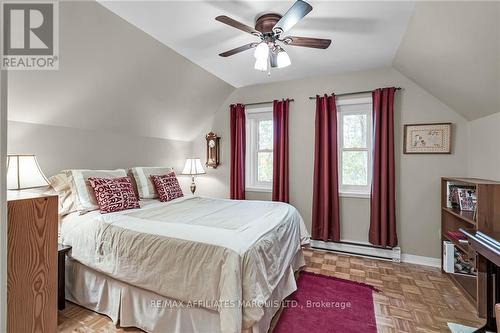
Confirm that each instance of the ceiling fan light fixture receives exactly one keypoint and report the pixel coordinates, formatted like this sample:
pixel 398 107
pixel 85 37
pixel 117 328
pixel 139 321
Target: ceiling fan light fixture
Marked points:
pixel 283 59
pixel 261 64
pixel 261 51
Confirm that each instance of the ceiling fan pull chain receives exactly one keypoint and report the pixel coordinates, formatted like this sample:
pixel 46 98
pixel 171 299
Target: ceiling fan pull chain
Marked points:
pixel 268 66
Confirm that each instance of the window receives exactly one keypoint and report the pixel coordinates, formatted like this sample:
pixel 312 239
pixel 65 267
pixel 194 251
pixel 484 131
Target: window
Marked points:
pixel 354 143
pixel 259 150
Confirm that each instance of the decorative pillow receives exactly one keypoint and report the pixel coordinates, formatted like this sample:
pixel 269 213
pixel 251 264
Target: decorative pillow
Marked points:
pixel 80 186
pixel 59 182
pixel 167 186
pixel 114 194
pixel 142 177
pixel 61 185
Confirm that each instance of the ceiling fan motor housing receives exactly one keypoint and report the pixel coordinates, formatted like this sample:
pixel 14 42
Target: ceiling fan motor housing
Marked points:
pixel 266 22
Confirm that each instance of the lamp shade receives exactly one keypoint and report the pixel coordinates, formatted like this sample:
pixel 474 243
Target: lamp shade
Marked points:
pixel 193 167
pixel 283 59
pixel 261 51
pixel 24 172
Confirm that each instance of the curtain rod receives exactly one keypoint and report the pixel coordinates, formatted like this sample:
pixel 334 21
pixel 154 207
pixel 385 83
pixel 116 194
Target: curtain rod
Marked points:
pixel 258 103
pixel 353 93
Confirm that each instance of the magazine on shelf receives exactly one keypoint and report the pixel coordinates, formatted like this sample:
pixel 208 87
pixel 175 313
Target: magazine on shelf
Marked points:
pixel 467 199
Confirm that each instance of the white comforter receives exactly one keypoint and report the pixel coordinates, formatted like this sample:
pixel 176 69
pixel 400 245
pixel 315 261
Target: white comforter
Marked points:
pixel 225 255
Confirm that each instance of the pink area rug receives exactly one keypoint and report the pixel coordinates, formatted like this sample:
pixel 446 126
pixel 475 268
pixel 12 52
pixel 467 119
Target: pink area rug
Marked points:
pixel 327 304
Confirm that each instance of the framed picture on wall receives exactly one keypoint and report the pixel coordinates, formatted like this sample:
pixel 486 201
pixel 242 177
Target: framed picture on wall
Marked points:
pixel 427 138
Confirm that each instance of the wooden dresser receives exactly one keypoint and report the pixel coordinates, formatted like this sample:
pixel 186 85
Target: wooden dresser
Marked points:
pixel 32 262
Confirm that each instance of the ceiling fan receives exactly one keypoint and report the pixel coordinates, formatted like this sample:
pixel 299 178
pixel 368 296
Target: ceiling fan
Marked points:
pixel 269 28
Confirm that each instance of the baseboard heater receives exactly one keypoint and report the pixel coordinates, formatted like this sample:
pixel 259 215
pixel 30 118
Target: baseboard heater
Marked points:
pixel 359 249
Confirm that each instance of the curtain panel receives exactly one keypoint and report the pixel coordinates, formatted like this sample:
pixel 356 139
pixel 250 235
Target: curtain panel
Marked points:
pixel 238 147
pixel 326 208
pixel 280 150
pixel 383 199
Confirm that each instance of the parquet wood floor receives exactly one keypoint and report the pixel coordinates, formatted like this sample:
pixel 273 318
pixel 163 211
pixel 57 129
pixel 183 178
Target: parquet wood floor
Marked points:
pixel 412 298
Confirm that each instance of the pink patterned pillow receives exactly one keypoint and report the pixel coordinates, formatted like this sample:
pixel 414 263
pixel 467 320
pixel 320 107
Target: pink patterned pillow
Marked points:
pixel 114 194
pixel 167 186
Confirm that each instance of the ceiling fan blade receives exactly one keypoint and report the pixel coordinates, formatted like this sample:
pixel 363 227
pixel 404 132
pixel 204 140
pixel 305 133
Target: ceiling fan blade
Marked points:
pixel 238 50
pixel 238 25
pixel 293 15
pixel 316 43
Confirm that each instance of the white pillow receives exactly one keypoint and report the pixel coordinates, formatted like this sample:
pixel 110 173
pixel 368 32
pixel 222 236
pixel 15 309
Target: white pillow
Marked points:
pixel 80 186
pixel 145 186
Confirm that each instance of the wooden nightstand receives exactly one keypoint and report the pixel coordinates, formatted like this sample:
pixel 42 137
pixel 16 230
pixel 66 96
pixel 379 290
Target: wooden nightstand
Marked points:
pixel 31 263
pixel 61 269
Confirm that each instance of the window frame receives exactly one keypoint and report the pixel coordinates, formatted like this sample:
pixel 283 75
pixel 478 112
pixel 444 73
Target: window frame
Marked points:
pixel 365 108
pixel 253 117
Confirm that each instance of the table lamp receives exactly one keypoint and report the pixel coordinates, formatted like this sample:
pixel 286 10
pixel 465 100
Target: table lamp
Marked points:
pixel 23 172
pixel 193 167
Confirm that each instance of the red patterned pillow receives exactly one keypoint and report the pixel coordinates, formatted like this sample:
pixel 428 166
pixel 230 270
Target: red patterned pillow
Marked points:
pixel 114 194
pixel 167 186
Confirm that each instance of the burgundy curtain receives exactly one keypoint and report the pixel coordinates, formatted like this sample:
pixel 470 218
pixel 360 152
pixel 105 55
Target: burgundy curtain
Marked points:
pixel 280 150
pixel 237 127
pixel 383 199
pixel 326 216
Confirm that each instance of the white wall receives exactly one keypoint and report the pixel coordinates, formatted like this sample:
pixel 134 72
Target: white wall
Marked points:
pixel 418 176
pixel 484 151
pixel 59 148
pixel 120 98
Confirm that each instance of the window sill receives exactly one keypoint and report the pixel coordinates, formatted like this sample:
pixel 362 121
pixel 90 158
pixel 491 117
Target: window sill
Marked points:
pixel 354 195
pixel 258 189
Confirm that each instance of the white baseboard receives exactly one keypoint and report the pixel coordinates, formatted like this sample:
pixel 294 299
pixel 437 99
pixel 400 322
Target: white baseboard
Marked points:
pixel 361 249
pixel 419 260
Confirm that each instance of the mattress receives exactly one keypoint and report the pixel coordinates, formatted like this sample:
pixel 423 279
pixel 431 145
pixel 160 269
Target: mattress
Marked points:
pixel 222 255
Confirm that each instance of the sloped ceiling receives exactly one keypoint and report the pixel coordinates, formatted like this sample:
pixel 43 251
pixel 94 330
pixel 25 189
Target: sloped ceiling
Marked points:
pixel 365 34
pixel 114 77
pixel 452 50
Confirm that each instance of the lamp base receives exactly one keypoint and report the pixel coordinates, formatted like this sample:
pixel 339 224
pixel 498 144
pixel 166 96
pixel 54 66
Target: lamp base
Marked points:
pixel 193 185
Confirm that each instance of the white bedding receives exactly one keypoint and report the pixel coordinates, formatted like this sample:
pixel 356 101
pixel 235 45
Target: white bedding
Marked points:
pixel 226 255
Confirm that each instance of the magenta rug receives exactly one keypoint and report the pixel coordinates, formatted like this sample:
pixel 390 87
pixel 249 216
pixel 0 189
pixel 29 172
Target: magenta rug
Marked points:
pixel 327 304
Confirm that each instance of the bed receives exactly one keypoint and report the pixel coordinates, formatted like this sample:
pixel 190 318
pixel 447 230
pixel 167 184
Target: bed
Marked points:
pixel 193 264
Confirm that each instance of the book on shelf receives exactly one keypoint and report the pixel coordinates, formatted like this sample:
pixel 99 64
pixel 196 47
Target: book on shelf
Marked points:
pixel 467 199
pixel 456 235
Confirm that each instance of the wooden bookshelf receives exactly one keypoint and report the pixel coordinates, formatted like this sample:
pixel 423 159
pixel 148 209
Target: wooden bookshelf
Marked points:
pixel 466 216
pixel 486 219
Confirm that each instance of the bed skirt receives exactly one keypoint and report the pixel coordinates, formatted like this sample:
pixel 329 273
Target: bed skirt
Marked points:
pixel 131 306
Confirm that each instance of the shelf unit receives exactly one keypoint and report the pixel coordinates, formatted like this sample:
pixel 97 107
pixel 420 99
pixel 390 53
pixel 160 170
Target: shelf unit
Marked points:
pixel 486 219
